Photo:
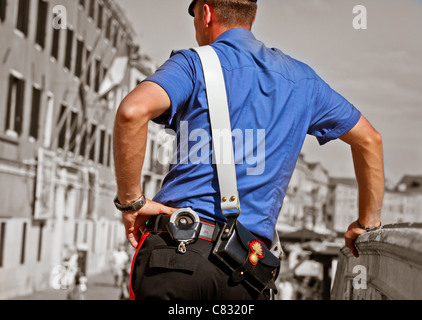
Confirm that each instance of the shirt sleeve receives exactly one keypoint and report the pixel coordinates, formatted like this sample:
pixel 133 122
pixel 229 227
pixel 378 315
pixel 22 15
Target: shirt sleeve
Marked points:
pixel 176 77
pixel 332 115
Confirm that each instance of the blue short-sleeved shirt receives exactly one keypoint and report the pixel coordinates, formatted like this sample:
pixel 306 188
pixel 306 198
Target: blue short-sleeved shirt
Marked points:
pixel 274 102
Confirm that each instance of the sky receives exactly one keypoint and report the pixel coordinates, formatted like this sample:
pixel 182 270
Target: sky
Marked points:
pixel 379 69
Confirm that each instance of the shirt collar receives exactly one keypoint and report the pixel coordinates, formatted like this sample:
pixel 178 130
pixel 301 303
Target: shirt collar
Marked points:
pixel 236 33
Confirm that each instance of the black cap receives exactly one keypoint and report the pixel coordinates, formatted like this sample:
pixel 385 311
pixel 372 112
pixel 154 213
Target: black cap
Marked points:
pixel 192 5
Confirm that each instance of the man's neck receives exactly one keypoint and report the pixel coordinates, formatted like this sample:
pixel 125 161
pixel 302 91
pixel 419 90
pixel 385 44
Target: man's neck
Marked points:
pixel 218 30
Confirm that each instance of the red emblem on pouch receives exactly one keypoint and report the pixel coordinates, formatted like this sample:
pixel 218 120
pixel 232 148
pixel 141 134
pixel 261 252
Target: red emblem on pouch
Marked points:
pixel 257 252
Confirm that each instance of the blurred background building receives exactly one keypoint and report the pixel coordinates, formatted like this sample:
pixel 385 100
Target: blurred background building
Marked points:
pixel 65 66
pixel 318 202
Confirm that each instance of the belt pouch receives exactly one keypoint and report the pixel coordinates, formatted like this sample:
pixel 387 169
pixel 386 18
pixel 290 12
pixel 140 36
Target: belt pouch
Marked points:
pixel 246 256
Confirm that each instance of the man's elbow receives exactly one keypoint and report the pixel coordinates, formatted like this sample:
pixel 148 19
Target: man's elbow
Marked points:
pixel 373 139
pixel 130 112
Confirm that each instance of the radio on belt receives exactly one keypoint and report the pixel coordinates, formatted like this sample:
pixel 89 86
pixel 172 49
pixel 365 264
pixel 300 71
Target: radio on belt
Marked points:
pixel 184 227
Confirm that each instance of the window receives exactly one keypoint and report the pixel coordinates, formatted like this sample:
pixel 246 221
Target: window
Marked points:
pixel 69 47
pixel 116 35
pixel 23 247
pixel 109 151
pixel 92 141
pixel 79 58
pixel 62 129
pixel 102 146
pixel 91 202
pixel 3 6
pixel 40 236
pixel 91 11
pixel 23 16
pixel 83 142
pixel 14 115
pixel 2 240
pixel 35 113
pixel 42 19
pixel 100 16
pixel 104 73
pixel 109 24
pixel 152 159
pixel 56 42
pixel 97 75
pixel 88 67
pixel 415 184
pixel 74 131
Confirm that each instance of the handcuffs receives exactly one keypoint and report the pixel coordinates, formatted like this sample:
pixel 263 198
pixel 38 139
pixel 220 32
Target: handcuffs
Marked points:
pixel 184 227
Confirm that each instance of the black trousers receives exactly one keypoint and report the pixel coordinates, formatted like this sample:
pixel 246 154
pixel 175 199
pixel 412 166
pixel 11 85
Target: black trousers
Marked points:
pixel 159 272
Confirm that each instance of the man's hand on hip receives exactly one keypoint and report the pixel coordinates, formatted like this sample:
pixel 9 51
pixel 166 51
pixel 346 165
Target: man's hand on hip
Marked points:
pixel 134 222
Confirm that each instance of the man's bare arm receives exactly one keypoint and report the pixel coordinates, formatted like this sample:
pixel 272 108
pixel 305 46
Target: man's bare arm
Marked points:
pixel 367 151
pixel 146 102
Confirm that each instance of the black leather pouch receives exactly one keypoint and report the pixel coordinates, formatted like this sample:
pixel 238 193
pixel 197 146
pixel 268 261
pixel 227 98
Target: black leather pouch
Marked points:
pixel 246 256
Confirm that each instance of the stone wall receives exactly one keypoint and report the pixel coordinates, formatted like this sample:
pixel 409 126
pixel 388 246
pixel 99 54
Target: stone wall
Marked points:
pixel 389 266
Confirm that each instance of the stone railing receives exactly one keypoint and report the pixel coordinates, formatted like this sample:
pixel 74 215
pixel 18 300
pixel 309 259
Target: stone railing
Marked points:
pixel 389 266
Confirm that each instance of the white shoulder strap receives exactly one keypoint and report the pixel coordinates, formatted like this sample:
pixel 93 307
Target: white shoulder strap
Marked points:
pixel 220 127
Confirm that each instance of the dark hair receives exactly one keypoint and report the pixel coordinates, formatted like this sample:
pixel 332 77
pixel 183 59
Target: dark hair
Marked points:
pixel 233 12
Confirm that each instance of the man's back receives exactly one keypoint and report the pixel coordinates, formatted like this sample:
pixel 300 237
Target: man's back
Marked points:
pixel 274 101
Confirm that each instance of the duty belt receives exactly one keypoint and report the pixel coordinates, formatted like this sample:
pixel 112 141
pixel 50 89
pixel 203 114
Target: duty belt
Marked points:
pixel 209 230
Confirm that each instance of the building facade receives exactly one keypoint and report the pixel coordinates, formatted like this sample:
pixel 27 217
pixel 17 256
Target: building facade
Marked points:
pixel 342 205
pixel 306 196
pixel 65 66
pixel 318 202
